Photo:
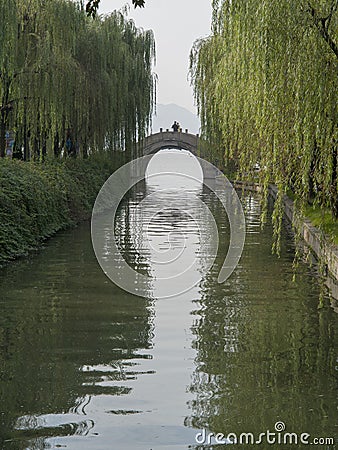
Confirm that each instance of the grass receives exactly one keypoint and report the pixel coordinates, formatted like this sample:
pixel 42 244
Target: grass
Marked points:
pixel 322 219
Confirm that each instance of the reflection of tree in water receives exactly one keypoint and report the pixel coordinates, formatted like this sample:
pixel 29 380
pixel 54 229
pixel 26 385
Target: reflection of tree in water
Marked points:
pixel 38 426
pixel 128 231
pixel 264 351
pixel 66 334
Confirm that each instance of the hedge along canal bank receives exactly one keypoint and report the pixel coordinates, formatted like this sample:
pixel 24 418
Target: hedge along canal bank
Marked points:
pixel 39 199
pixel 315 240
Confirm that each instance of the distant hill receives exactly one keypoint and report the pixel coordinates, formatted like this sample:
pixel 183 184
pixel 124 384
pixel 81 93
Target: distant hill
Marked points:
pixel 166 114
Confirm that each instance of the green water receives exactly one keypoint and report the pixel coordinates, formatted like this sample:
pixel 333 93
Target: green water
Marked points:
pixel 84 365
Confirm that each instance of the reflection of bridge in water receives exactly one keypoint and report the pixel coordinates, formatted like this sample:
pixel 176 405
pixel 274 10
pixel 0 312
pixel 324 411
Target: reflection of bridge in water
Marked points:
pixel 177 140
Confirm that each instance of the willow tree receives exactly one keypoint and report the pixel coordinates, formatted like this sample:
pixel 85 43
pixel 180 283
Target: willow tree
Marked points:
pixel 266 86
pixel 75 82
pixel 8 68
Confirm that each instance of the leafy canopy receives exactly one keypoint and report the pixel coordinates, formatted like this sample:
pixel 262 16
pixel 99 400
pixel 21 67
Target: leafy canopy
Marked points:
pixel 70 81
pixel 266 86
pixel 93 5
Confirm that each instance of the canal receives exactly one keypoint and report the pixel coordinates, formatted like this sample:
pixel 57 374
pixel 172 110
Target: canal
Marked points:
pixel 85 365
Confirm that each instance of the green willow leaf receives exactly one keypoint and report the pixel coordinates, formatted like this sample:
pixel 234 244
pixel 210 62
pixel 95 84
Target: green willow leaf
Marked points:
pixel 72 83
pixel 265 82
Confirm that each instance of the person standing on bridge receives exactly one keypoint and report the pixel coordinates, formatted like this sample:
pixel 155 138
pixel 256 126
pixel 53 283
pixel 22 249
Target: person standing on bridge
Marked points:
pixel 175 126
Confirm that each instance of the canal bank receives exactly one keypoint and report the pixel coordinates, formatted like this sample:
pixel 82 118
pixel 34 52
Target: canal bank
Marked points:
pixel 39 199
pixel 316 241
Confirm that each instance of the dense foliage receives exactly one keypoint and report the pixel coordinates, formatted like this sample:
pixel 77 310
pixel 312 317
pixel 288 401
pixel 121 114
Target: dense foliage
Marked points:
pixel 70 82
pixel 93 5
pixel 266 85
pixel 36 200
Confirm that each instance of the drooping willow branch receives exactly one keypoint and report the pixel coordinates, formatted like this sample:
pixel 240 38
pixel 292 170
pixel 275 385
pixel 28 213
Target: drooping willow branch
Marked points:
pixel 74 77
pixel 323 24
pixel 266 86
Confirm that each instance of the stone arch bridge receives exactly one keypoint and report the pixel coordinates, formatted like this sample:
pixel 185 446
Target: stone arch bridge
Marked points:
pixel 176 140
pixel 169 139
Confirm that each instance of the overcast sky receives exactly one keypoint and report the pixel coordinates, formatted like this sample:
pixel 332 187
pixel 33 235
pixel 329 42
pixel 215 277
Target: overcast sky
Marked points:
pixel 176 24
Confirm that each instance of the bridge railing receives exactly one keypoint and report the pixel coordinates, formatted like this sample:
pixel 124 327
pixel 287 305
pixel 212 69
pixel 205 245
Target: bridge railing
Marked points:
pixel 179 131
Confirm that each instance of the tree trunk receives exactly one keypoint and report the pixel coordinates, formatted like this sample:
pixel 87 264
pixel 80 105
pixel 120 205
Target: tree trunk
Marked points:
pixel 26 154
pixel 334 195
pixel 2 135
pixel 56 145
pixel 5 108
pixel 85 149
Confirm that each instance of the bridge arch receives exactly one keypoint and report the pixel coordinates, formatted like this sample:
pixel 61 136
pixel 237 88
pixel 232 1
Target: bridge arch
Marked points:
pixel 174 140
pixel 169 139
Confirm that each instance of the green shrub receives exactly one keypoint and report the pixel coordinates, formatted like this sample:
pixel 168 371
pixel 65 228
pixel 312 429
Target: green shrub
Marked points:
pixel 39 199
